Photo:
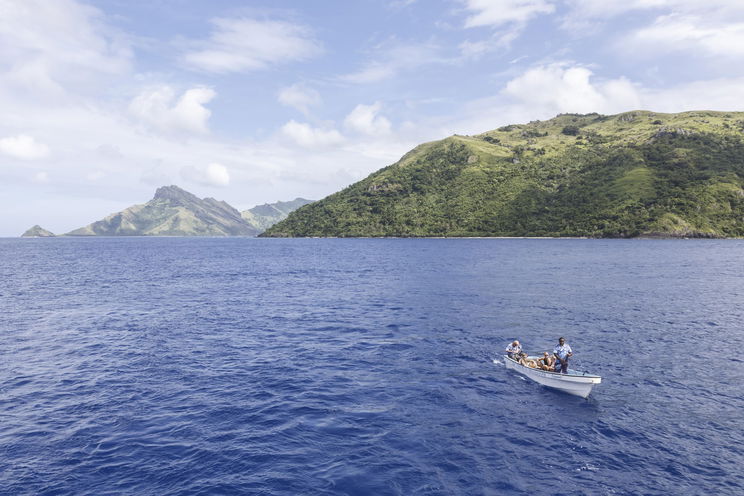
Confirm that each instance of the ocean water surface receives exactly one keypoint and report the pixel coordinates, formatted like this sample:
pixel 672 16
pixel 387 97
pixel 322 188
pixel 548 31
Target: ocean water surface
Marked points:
pixel 183 366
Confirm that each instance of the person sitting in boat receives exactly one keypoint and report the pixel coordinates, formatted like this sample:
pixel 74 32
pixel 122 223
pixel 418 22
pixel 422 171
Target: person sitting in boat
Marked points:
pixel 514 350
pixel 562 353
pixel 547 362
pixel 528 362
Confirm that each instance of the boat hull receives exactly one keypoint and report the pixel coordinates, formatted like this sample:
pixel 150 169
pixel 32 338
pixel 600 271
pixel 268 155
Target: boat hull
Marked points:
pixel 577 384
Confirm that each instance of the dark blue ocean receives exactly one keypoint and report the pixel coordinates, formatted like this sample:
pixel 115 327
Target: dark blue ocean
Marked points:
pixel 186 366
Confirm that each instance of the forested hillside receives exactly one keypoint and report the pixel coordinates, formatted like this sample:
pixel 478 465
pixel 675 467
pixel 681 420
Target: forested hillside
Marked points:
pixel 627 175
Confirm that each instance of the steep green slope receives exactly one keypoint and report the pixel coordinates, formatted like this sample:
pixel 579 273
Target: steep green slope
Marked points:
pixel 264 216
pixel 172 212
pixel 632 174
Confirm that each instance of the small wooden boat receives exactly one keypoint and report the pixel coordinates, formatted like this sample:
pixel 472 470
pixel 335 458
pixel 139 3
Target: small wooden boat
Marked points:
pixel 574 382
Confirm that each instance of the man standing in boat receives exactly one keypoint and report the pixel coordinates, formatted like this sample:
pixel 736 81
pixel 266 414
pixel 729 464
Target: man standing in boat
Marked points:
pixel 562 353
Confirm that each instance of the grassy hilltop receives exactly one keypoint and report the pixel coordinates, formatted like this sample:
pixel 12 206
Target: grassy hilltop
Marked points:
pixel 632 174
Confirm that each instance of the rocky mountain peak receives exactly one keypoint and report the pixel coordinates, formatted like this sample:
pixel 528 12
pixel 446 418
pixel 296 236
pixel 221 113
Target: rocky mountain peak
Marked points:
pixel 173 193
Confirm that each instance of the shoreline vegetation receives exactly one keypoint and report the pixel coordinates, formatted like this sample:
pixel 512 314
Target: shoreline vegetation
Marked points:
pixel 642 237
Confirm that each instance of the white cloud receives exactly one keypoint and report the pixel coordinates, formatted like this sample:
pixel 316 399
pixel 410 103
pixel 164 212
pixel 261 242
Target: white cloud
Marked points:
pixel 560 88
pixel 373 72
pixel 242 45
pixel 392 57
pixel 685 33
pixel 24 147
pixel 213 174
pixel 308 136
pixel 611 8
pixel 365 119
pixel 498 41
pixel 217 175
pixel 474 49
pixel 500 12
pixel 49 48
pixel 713 26
pixel 159 108
pixel 299 97
pixel 509 17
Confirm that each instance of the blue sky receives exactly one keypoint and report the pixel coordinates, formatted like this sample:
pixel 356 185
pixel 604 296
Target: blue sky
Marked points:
pixel 251 102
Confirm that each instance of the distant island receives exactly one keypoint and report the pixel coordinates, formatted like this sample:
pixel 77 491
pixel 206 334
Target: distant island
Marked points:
pixel 264 216
pixel 37 232
pixel 176 212
pixel 628 175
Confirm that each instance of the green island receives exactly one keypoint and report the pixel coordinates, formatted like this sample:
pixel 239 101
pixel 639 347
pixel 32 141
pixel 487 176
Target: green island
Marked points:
pixel 628 175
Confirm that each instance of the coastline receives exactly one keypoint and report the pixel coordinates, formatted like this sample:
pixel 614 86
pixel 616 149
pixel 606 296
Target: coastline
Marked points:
pixel 642 237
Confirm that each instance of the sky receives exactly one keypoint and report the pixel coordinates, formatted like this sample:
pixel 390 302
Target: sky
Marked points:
pixel 103 101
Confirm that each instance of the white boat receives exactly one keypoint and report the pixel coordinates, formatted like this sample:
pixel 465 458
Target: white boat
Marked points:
pixel 574 382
